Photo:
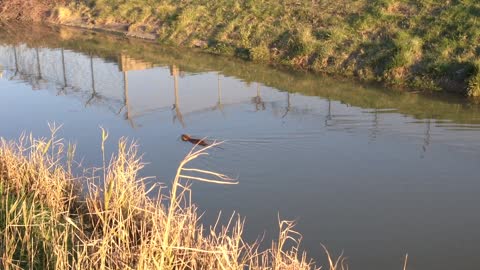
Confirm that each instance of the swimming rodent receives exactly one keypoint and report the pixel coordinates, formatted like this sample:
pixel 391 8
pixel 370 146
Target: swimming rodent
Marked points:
pixel 187 138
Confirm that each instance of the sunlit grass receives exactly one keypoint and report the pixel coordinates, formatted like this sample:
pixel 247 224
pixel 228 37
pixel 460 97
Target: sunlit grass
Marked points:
pixel 415 43
pixel 108 219
pixel 420 44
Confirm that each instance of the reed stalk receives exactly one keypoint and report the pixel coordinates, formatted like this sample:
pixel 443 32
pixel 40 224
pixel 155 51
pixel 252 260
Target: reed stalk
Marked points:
pixel 52 219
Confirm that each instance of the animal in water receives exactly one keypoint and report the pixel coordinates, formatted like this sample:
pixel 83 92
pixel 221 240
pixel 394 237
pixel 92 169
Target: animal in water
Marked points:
pixel 188 138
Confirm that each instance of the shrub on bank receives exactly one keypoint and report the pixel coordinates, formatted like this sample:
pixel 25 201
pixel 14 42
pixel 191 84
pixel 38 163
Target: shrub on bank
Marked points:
pixel 474 82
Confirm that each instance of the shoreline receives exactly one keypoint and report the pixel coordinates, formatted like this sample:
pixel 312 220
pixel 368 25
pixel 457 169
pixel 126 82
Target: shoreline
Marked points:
pixel 108 46
pixel 456 89
pixel 397 60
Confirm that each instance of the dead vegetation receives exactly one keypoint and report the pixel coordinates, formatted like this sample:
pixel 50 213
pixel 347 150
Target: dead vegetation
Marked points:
pixel 48 221
pixel 31 10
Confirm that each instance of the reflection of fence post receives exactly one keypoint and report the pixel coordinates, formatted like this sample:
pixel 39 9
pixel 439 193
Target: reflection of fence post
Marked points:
pixel 287 109
pixel 219 90
pixel 428 136
pixel 64 70
pixel 38 64
pixel 16 59
pixel 125 99
pixel 94 91
pixel 124 67
pixel 93 76
pixel 63 89
pixel 374 133
pixel 329 113
pixel 219 101
pixel 259 104
pixel 125 93
pixel 174 71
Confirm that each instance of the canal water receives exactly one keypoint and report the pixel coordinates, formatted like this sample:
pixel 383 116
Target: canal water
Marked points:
pixel 373 172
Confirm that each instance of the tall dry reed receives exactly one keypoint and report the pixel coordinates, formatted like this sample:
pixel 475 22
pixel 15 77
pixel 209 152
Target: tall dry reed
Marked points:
pixel 108 219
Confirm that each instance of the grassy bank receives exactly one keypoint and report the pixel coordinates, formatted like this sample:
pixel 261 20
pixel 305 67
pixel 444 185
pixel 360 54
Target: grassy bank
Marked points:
pixel 419 44
pixel 107 219
pixel 416 43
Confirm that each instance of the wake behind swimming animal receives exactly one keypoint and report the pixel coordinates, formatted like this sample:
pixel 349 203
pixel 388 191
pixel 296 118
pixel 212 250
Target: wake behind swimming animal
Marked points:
pixel 188 138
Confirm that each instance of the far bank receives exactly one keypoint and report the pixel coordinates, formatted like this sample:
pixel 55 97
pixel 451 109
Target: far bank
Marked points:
pixel 417 45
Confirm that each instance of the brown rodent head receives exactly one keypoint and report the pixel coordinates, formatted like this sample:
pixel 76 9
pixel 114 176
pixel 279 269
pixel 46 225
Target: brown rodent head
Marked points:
pixel 185 137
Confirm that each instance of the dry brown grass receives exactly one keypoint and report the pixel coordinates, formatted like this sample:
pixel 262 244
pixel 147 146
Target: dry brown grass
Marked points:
pixel 48 221
pixel 27 10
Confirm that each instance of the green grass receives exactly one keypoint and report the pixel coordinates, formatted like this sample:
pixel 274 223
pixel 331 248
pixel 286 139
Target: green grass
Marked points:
pixel 415 43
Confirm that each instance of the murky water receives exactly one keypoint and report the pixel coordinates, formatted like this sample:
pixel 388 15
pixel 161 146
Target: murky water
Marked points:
pixel 373 172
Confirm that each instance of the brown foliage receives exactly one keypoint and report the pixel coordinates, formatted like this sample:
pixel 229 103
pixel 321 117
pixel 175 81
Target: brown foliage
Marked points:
pixel 27 10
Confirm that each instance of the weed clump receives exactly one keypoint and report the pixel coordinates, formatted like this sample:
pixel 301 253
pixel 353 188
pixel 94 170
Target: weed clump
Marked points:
pixel 260 53
pixel 108 219
pixel 474 86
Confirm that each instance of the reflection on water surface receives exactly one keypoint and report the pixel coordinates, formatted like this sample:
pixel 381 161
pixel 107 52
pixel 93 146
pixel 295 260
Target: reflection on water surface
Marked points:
pixel 373 172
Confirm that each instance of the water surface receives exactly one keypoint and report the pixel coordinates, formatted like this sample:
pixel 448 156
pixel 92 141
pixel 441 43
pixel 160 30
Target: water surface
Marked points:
pixel 374 172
